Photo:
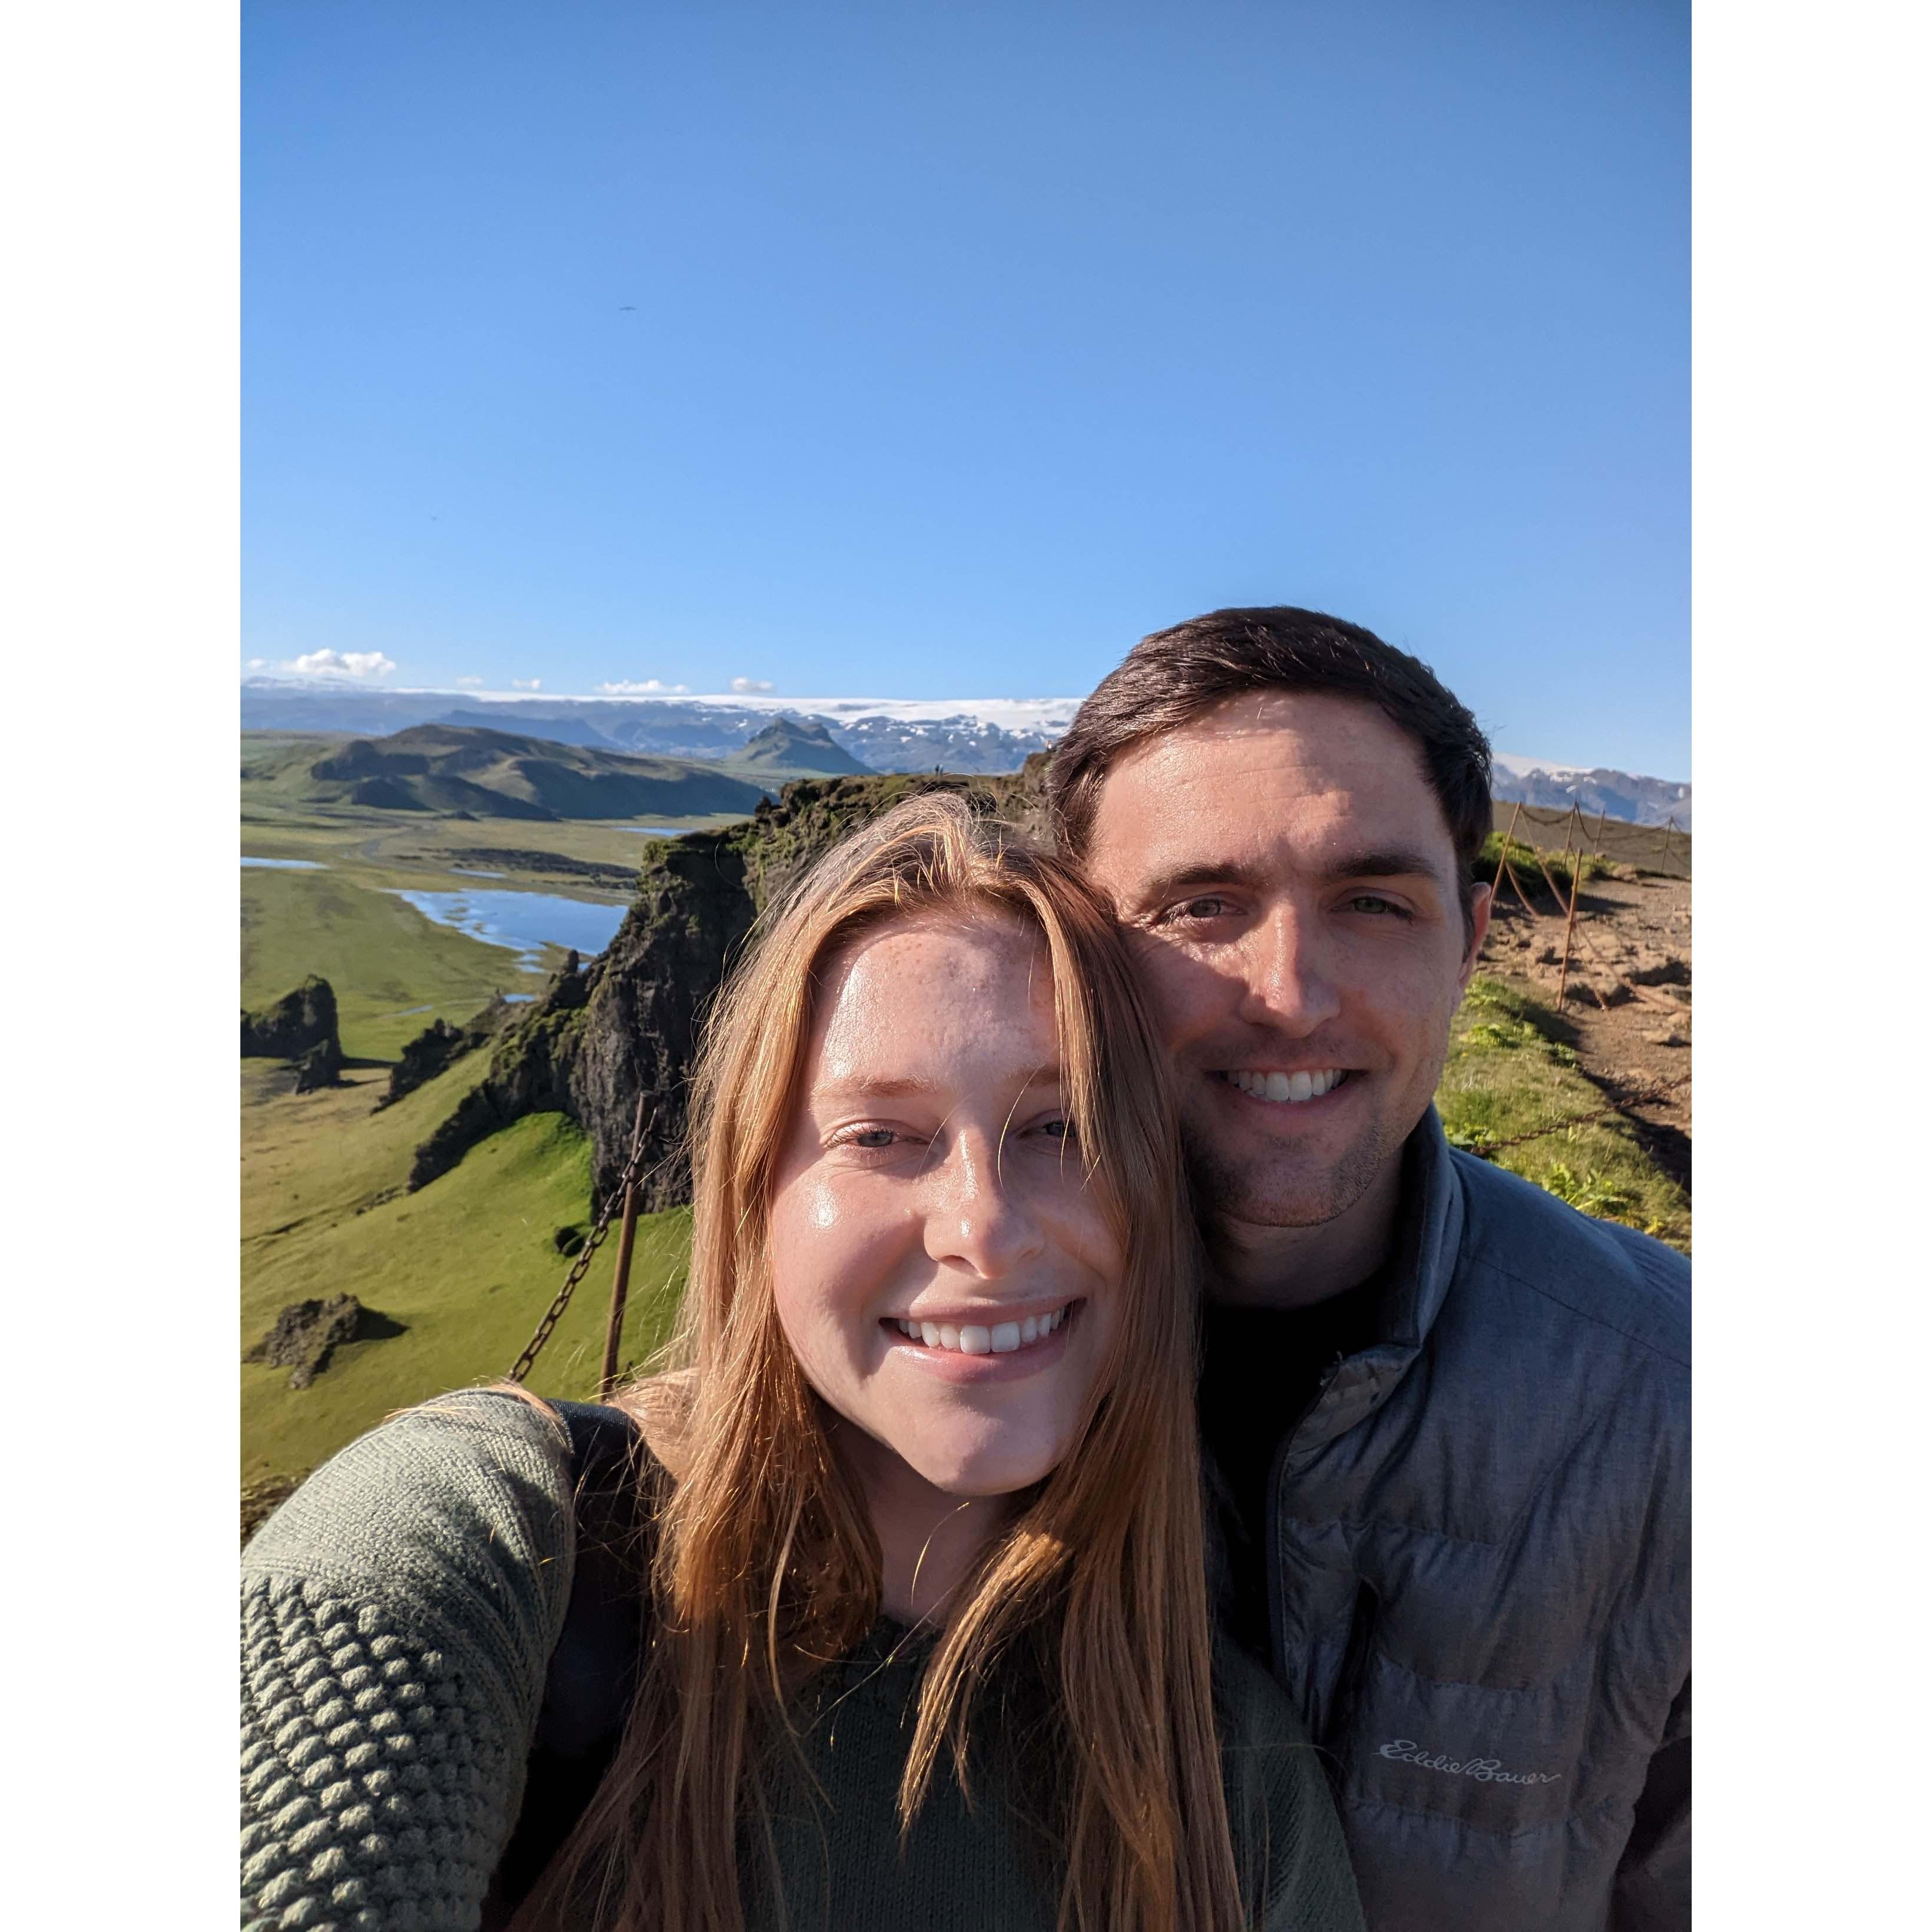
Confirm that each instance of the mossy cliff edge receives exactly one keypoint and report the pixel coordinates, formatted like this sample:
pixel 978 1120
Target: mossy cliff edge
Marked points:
pixel 628 1023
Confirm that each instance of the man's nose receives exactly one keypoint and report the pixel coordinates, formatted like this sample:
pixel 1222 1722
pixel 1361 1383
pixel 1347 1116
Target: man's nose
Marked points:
pixel 1290 985
pixel 976 1218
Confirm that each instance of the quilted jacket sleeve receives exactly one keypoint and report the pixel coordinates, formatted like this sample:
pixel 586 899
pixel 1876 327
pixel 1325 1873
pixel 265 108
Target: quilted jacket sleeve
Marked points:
pixel 397 1615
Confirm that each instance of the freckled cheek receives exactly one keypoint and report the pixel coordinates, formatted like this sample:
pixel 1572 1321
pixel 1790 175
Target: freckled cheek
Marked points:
pixel 1086 1247
pixel 836 1253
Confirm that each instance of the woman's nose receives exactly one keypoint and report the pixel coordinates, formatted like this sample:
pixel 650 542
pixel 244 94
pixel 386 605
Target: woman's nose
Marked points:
pixel 976 1218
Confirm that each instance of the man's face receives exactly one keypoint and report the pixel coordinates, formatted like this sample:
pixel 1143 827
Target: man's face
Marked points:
pixel 1286 875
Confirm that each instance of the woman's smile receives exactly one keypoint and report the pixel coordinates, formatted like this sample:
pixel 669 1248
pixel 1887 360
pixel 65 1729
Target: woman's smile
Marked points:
pixel 990 1350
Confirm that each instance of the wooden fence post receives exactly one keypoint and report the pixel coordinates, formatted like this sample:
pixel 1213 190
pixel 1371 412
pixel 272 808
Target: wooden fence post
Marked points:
pixel 1503 864
pixel 620 1282
pixel 1569 928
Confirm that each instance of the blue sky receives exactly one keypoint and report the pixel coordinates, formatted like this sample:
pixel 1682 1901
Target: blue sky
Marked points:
pixel 916 350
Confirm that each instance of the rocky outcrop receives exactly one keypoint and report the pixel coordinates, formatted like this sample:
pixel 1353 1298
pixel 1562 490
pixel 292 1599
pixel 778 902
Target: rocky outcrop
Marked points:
pixel 630 1024
pixel 305 1334
pixel 439 1046
pixel 320 1066
pixel 528 1074
pixel 296 1023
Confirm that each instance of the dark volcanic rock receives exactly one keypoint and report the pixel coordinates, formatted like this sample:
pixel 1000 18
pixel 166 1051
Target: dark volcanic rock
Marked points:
pixel 654 983
pixel 320 1066
pixel 630 1024
pixel 528 1074
pixel 305 1335
pixel 296 1022
pixel 439 1046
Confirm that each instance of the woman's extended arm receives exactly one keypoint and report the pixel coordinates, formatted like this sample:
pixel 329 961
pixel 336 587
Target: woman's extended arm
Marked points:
pixel 397 1613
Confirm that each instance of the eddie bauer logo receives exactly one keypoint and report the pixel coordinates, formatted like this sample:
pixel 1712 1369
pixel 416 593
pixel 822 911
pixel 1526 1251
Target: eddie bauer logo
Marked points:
pixel 1487 1770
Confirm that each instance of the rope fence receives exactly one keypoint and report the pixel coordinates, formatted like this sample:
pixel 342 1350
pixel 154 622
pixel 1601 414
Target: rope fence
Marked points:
pixel 1579 842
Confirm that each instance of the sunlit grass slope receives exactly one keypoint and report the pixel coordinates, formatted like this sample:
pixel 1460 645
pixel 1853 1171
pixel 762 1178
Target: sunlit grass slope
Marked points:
pixel 393 970
pixel 466 1267
pixel 1509 1073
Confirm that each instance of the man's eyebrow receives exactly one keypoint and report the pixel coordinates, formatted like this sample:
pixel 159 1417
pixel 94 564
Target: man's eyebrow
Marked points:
pixel 1392 862
pixel 1170 884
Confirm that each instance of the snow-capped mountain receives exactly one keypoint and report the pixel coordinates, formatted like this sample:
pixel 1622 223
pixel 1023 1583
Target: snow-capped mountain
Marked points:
pixel 963 734
pixel 1643 801
pixel 886 734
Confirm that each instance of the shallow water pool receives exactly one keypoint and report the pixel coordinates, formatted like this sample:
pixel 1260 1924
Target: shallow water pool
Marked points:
pixel 525 922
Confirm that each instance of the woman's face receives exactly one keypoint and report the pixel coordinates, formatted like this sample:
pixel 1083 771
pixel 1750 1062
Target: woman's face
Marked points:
pixel 944 1273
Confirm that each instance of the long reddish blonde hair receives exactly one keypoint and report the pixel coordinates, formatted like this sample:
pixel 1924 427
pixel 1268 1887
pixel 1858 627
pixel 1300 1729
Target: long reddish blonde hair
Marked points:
pixel 765 1566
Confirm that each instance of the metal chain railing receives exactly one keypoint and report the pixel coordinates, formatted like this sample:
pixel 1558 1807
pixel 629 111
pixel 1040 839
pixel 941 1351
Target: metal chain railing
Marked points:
pixel 612 1201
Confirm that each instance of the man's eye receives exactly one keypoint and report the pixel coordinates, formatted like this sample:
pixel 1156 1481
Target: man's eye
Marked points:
pixel 1374 902
pixel 1208 906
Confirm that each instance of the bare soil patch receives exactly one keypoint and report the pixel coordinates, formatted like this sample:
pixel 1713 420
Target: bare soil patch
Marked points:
pixel 1627 999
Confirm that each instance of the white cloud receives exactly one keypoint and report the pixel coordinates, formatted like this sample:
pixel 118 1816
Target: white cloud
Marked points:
pixel 746 686
pixel 627 687
pixel 342 663
pixel 258 664
pixel 469 681
pixel 526 684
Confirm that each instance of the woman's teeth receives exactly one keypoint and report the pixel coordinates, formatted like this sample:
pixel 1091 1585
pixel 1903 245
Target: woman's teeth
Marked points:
pixel 969 1339
pixel 1290 1087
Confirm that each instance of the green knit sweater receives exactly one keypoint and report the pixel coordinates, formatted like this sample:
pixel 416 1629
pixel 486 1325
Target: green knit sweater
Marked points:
pixel 398 1615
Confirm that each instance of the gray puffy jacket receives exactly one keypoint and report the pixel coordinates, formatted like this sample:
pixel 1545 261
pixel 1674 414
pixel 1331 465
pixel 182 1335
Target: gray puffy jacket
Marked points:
pixel 1480 1569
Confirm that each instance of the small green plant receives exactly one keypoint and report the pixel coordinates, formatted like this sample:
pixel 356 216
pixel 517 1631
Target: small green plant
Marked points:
pixel 1513 1092
pixel 1589 1193
pixel 1561 867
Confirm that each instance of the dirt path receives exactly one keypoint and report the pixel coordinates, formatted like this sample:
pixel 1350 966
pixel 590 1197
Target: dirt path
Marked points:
pixel 1627 1003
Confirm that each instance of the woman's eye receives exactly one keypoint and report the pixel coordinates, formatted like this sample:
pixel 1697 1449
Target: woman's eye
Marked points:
pixel 1056 1129
pixel 867 1137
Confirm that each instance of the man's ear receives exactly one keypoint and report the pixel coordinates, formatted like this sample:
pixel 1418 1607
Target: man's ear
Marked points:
pixel 1480 899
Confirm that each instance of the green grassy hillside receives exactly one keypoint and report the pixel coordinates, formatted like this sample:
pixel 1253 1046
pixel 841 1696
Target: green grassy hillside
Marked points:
pixel 443 768
pixel 466 1267
pixel 393 970
pixel 1509 1073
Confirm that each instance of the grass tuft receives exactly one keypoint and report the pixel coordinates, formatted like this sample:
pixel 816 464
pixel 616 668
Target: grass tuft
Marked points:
pixel 1522 859
pixel 1511 1072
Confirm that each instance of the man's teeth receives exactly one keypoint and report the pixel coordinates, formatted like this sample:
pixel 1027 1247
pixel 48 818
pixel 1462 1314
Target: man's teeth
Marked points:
pixel 1286 1086
pixel 971 1339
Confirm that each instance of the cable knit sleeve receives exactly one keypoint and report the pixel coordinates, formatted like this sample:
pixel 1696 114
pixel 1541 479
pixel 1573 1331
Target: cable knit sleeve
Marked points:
pixel 1288 1838
pixel 397 1615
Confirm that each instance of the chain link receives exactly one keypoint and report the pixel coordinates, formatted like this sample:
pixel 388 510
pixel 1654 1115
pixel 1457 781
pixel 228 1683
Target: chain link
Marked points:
pixel 592 1242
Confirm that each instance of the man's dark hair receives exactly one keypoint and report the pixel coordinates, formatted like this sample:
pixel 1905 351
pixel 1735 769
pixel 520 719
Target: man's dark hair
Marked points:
pixel 1171 678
